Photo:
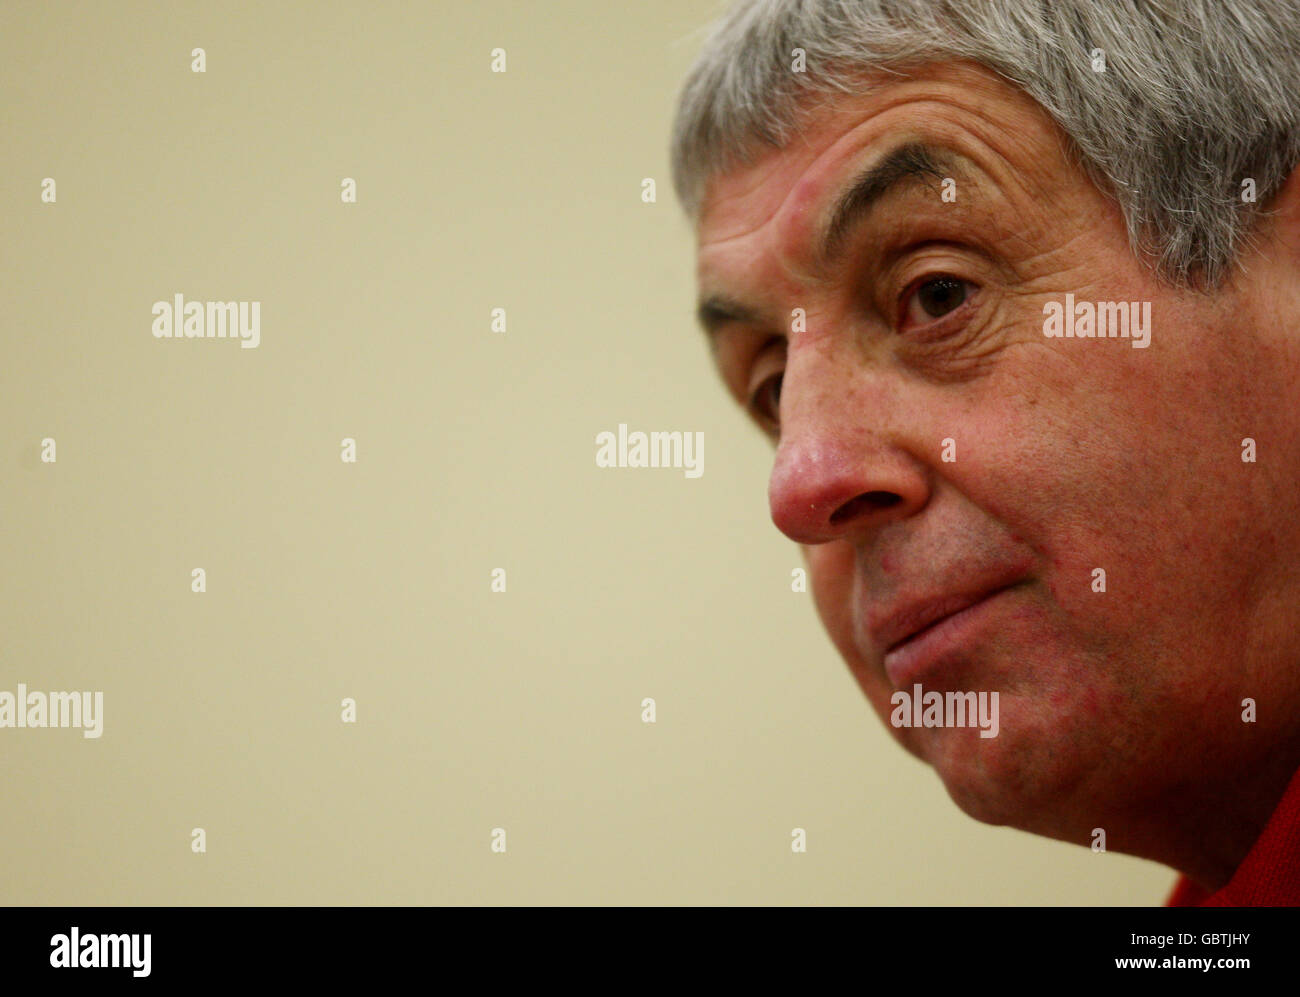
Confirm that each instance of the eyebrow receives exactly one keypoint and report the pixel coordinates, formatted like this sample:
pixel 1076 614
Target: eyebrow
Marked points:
pixel 718 309
pixel 913 163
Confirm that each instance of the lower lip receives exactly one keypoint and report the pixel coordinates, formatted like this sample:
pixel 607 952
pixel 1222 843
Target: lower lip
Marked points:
pixel 909 661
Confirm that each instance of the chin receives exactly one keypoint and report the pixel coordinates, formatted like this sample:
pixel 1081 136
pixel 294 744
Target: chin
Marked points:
pixel 1006 781
pixel 985 803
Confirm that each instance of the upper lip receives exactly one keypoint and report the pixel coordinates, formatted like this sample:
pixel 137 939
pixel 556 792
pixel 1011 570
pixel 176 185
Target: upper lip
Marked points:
pixel 898 623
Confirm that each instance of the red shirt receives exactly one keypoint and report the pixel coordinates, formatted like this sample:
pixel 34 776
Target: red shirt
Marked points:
pixel 1269 876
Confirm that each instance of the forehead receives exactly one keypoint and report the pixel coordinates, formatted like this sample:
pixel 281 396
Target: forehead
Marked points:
pixel 781 200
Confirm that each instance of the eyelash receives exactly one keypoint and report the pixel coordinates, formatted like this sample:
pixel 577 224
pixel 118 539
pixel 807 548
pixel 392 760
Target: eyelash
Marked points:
pixel 769 421
pixel 756 407
pixel 753 404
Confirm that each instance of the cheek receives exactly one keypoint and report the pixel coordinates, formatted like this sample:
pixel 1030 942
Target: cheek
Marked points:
pixel 1120 471
pixel 832 570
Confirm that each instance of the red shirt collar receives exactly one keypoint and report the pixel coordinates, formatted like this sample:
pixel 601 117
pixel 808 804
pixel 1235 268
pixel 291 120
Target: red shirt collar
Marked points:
pixel 1269 876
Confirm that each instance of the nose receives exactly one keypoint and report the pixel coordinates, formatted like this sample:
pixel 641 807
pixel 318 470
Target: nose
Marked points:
pixel 837 475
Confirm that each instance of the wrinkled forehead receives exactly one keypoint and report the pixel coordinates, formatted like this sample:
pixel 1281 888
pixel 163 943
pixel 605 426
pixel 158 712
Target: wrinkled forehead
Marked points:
pixel 959 107
pixel 782 186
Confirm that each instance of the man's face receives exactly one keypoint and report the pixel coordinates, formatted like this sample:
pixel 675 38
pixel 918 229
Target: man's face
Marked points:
pixel 924 338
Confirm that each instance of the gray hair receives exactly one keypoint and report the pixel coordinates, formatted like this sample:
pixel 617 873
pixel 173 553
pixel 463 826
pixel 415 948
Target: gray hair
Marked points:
pixel 1196 97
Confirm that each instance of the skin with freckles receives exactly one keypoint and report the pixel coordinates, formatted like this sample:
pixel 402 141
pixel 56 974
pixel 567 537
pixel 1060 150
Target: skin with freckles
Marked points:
pixel 1121 709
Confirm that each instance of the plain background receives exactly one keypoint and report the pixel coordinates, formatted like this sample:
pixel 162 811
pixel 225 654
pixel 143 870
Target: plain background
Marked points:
pixel 476 451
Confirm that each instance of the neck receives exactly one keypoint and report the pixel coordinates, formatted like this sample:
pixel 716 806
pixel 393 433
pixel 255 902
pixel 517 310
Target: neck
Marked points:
pixel 1207 828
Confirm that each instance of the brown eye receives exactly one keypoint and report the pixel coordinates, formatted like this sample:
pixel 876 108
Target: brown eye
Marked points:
pixel 766 400
pixel 935 298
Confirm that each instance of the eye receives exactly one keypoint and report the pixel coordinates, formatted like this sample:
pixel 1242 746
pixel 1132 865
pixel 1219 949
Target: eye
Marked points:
pixel 765 402
pixel 934 298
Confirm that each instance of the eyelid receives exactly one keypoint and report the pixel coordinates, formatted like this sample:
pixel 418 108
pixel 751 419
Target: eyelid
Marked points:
pixel 756 381
pixel 759 358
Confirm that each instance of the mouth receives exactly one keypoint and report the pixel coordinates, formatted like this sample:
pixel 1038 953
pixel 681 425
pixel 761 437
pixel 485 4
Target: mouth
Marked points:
pixel 917 637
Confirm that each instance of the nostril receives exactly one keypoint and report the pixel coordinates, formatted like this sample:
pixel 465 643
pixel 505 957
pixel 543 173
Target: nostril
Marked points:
pixel 866 502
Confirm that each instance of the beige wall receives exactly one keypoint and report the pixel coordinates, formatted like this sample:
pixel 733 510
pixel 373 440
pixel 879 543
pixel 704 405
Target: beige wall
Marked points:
pixel 475 451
